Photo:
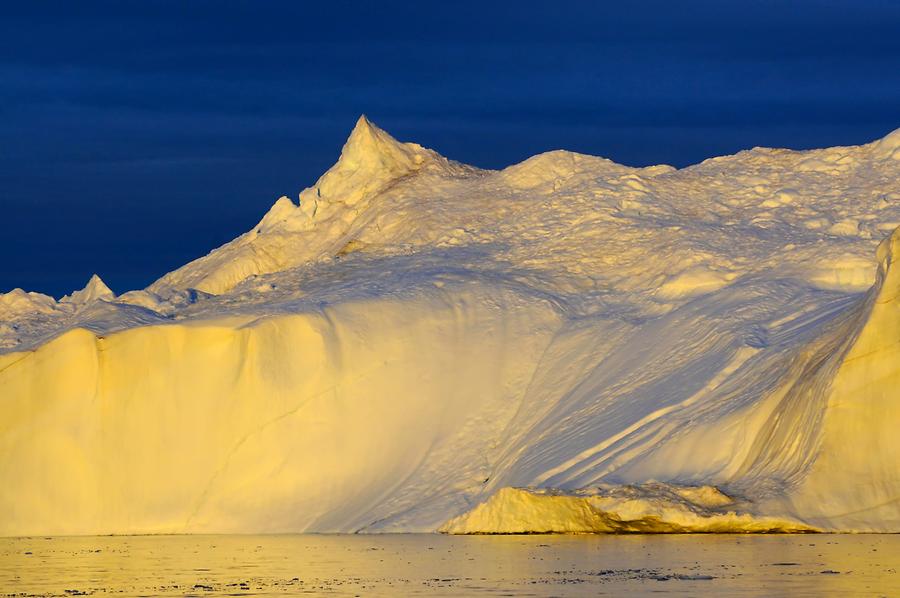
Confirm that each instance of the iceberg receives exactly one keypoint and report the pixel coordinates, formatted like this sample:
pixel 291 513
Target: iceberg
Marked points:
pixel 414 344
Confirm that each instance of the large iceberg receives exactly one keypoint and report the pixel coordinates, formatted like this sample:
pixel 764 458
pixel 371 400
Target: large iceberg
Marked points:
pixel 567 344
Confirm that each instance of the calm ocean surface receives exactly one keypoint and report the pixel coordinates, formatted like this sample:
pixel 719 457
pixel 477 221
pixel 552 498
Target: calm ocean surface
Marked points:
pixel 425 564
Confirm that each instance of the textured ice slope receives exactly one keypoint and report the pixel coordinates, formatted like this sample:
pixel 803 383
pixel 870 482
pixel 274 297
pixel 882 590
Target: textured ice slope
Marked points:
pixel 567 344
pixel 814 447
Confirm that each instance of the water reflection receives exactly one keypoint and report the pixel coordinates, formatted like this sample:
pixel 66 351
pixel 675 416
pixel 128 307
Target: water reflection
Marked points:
pixel 441 565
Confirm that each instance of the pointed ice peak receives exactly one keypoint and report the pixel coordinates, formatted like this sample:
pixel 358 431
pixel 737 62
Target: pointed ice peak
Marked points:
pixel 370 146
pixel 373 168
pixel 365 132
pixel 94 290
pixel 96 286
pixel 370 159
pixel 364 129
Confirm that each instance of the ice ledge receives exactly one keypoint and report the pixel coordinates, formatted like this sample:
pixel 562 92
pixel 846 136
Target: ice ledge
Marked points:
pixel 653 507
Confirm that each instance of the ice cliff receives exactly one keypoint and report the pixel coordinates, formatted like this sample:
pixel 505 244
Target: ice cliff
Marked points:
pixel 566 345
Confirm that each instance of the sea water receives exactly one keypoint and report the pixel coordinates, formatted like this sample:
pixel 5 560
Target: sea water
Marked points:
pixel 428 564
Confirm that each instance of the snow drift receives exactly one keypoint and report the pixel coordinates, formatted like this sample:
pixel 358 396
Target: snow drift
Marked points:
pixel 566 345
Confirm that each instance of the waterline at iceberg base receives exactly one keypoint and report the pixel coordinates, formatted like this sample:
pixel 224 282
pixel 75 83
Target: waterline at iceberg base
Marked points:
pixel 565 345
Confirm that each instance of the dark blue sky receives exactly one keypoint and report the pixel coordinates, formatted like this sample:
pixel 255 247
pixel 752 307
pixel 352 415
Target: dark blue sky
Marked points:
pixel 137 136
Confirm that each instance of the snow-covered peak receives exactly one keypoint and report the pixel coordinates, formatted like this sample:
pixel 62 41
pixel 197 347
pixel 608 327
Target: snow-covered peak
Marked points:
pixel 370 159
pixel 94 290
pixel 347 196
pixel 369 162
pixel 370 146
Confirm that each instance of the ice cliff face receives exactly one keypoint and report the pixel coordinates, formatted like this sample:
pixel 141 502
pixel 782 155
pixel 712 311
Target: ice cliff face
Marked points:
pixel 854 481
pixel 567 344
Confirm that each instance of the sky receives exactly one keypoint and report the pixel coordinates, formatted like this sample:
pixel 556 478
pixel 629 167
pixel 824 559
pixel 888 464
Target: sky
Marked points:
pixel 135 137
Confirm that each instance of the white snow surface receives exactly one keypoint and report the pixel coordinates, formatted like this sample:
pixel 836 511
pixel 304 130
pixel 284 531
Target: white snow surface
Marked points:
pixel 567 344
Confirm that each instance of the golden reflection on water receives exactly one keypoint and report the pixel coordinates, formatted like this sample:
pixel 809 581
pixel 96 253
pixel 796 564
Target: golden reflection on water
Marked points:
pixel 807 565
